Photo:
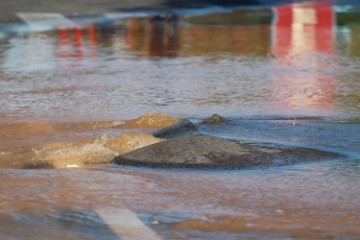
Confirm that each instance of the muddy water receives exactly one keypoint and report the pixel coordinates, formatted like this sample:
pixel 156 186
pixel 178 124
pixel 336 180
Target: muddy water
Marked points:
pixel 73 97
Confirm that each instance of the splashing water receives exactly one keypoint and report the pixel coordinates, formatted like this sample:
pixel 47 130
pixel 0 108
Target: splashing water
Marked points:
pixel 100 150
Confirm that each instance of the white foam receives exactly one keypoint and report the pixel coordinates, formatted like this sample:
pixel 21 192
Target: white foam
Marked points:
pixel 72 166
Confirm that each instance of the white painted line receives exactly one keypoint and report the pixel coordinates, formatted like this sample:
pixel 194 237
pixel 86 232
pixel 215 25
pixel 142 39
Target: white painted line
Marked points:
pixel 46 21
pixel 126 225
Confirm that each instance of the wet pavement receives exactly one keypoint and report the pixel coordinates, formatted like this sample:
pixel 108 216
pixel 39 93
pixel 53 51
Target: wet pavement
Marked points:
pixel 281 73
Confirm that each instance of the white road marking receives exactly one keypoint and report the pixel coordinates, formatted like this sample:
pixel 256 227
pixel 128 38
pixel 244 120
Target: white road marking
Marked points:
pixel 46 21
pixel 127 225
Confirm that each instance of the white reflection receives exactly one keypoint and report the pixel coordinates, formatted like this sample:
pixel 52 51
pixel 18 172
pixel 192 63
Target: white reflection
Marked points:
pixel 32 53
pixel 303 42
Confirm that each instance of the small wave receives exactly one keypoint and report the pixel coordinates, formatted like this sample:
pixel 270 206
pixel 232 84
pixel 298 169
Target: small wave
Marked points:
pixel 60 155
pixel 355 119
pixel 22 154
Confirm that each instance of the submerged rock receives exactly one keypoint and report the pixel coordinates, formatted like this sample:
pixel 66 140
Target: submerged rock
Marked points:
pixel 202 151
pixel 182 128
pixel 214 119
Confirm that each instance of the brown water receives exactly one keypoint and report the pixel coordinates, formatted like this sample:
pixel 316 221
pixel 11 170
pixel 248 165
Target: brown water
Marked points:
pixel 67 97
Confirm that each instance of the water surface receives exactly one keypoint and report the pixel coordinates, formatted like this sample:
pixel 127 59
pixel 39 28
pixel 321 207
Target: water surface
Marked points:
pixel 287 74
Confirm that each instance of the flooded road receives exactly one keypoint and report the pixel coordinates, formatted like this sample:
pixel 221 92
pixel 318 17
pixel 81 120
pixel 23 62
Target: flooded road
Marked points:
pixel 79 92
pixel 255 64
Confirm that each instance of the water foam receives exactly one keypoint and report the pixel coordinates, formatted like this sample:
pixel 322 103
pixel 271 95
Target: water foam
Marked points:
pixel 78 153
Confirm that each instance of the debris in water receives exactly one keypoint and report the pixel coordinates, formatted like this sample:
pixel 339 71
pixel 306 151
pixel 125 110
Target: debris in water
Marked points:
pixel 250 225
pixel 279 211
pixel 72 166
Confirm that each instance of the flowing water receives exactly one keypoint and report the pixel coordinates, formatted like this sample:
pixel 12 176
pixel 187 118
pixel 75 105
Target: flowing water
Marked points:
pixel 74 97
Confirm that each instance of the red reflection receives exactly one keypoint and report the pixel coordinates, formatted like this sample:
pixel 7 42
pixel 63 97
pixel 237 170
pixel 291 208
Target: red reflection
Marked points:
pixel 75 49
pixel 301 34
pixel 63 44
pixel 92 40
pixel 78 45
pixel 133 30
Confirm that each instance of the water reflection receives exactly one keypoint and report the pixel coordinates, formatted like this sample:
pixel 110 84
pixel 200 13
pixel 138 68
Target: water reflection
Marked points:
pixel 77 44
pixel 283 31
pixel 289 60
pixel 303 37
pixel 160 38
pixel 164 37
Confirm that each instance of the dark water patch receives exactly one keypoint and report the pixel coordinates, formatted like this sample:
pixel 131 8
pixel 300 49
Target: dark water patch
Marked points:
pixel 37 165
pixel 351 120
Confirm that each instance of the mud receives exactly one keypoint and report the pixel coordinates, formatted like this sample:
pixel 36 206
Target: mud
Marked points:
pixel 202 151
